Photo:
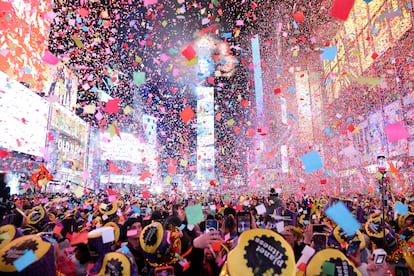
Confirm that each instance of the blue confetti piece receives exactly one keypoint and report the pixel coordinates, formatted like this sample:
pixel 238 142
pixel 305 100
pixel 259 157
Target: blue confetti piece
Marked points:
pixel 136 209
pixel 328 131
pixel 227 35
pixel 292 116
pixel 400 208
pixel 125 249
pixel 25 260
pixel 311 161
pixel 27 70
pixel 340 214
pixel 329 53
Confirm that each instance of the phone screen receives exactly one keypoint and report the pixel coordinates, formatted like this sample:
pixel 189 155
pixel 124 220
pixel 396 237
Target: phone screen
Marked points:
pixel 243 222
pixel 318 228
pixel 211 225
pixel 380 259
pixel 353 247
pixel 319 242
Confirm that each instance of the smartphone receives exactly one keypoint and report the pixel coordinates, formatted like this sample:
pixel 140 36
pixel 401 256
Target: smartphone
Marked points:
pixel 379 255
pixel 212 225
pixel 353 248
pixel 319 241
pixel 164 271
pixel 243 222
pixel 318 228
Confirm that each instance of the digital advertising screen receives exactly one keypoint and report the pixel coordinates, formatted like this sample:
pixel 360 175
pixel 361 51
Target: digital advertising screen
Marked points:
pixel 67 144
pixel 126 157
pixel 24 118
pixel 205 133
pixel 393 113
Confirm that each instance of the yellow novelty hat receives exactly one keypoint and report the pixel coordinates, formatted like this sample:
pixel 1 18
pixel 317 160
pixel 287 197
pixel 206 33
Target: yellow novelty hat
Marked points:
pixel 331 262
pixel 261 252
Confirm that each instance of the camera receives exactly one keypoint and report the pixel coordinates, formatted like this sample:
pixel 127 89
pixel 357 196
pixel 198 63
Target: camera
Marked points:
pixel 379 256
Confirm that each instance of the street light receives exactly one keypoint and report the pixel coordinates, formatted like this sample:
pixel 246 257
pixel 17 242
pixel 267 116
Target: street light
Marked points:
pixel 382 169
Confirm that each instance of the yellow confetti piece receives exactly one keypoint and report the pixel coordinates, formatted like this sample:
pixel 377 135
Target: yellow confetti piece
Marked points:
pixel 368 80
pixel 104 14
pixel 78 42
pixel 127 109
pixel 237 33
pixel 183 163
pixel 89 109
pixel 192 61
pixel 378 175
pixel 230 122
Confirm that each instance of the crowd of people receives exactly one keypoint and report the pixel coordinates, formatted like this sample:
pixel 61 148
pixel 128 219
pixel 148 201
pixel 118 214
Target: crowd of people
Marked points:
pixel 112 233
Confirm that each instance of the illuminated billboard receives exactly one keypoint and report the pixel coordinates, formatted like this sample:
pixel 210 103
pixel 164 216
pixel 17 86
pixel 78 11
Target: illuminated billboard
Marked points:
pixel 376 135
pixel 61 85
pixel 24 29
pixel 393 113
pixel 125 147
pixel 205 134
pixel 67 143
pixel 304 106
pixel 127 157
pixel 371 29
pixel 23 119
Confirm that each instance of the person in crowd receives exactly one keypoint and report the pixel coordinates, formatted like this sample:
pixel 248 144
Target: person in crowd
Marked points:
pixel 274 202
pixel 81 258
pixel 196 255
pixel 131 231
pixel 297 238
pixel 229 226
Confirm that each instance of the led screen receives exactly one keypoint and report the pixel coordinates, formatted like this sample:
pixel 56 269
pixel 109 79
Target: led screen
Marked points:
pixel 23 119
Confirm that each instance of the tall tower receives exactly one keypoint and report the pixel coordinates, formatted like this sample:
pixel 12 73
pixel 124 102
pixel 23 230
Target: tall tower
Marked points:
pixel 205 113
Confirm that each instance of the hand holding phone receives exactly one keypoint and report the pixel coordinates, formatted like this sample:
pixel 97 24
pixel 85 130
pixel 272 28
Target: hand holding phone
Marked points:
pixel 243 222
pixel 379 255
pixel 353 248
pixel 212 225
